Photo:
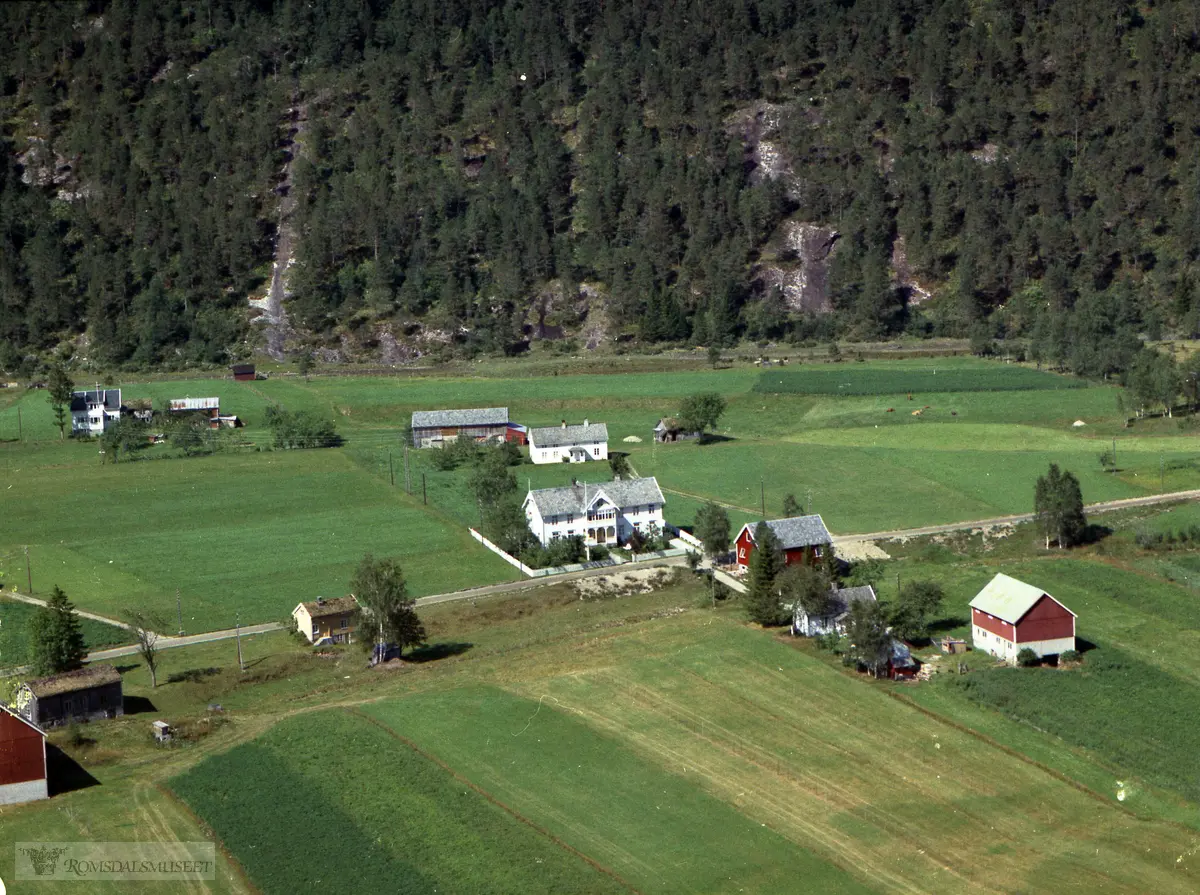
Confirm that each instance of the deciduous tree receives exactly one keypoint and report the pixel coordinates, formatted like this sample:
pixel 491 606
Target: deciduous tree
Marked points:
pixel 145 627
pixel 700 412
pixel 712 528
pixel 387 614
pixel 915 607
pixel 1058 506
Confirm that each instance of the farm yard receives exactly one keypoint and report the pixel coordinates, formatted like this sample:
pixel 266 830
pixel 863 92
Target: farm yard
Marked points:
pixel 679 754
pixel 649 743
pixel 136 531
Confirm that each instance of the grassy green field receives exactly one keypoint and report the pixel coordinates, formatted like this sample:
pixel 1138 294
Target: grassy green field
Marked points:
pixel 392 820
pixel 674 746
pixel 886 379
pixel 258 531
pixel 249 533
pixel 690 753
pixel 14 617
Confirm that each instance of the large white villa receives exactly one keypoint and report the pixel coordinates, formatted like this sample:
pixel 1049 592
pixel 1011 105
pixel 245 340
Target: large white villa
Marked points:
pixel 604 513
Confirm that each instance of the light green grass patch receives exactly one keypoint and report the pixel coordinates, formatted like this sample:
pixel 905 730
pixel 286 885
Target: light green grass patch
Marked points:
pixel 248 533
pixel 392 820
pixel 656 830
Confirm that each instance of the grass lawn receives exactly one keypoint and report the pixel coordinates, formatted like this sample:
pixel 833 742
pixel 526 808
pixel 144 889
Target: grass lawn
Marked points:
pixel 14 617
pixel 249 533
pixel 393 820
pixel 674 745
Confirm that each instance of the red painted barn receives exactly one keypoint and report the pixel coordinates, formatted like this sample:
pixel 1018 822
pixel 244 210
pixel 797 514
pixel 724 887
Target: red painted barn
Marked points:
pixel 22 759
pixel 803 539
pixel 1008 616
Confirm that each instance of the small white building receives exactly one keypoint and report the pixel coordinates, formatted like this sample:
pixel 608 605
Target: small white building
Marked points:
pixel 93 411
pixel 570 444
pixel 837 612
pixel 606 513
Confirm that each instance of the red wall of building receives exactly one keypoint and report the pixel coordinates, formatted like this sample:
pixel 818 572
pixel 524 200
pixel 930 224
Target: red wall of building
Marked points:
pixel 992 624
pixel 22 755
pixel 1047 620
pixel 745 548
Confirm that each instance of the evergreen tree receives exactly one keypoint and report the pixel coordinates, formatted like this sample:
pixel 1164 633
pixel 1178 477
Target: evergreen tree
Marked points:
pixel 763 603
pixel 60 389
pixel 55 636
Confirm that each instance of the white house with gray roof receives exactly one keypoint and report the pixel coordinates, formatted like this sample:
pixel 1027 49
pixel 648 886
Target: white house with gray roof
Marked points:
pixel 433 428
pixel 604 513
pixel 836 614
pixel 569 444
pixel 94 410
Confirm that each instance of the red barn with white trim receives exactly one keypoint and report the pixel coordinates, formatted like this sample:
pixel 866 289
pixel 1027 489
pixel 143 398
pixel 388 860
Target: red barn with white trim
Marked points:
pixel 22 759
pixel 1008 616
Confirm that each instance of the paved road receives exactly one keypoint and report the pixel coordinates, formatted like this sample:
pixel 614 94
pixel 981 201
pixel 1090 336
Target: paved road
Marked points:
pixel 1103 507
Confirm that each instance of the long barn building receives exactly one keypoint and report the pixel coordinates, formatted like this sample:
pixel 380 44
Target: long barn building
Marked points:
pixel 1008 616
pixel 433 428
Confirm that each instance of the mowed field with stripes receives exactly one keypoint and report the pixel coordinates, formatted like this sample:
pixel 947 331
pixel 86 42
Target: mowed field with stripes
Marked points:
pixel 685 753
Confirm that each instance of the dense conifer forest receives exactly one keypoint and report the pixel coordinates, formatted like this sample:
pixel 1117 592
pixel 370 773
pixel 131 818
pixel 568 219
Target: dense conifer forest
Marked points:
pixel 1026 170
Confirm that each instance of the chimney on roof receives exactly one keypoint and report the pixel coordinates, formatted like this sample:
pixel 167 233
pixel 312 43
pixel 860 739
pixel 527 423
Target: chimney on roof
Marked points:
pixel 320 601
pixel 585 421
pixel 564 424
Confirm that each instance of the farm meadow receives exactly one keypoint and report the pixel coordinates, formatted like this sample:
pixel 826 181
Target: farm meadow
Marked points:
pixel 550 741
pixel 251 532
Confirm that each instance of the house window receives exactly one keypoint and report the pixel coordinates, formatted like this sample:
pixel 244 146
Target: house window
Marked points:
pixel 596 451
pixel 345 622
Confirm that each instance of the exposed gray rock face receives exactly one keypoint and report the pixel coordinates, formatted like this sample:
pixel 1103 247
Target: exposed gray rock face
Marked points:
pixel 801 268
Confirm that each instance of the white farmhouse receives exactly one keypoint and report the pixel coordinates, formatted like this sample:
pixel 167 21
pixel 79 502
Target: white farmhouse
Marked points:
pixel 95 410
pixel 573 444
pixel 606 513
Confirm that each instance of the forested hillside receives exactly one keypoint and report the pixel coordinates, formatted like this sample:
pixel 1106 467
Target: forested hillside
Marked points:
pixel 466 172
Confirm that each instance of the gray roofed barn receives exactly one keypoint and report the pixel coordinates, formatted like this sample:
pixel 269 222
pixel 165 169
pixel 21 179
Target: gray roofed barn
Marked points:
pixel 561 436
pixel 622 493
pixel 798 531
pixel 479 416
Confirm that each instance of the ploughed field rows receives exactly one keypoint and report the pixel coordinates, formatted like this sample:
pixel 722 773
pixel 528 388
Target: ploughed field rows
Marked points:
pixel 678 755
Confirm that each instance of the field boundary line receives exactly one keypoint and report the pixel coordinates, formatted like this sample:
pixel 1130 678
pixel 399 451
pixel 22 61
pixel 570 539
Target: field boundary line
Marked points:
pixel 238 869
pixel 491 798
pixel 1008 750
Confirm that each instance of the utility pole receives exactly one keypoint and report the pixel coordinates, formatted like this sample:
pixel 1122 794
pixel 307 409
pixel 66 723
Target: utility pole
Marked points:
pixel 391 471
pixel 28 573
pixel 238 625
pixel 179 610
pixel 762 497
pixel 424 493
pixel 407 474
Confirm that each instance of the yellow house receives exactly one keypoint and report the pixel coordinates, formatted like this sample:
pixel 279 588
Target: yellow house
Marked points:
pixel 327 621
